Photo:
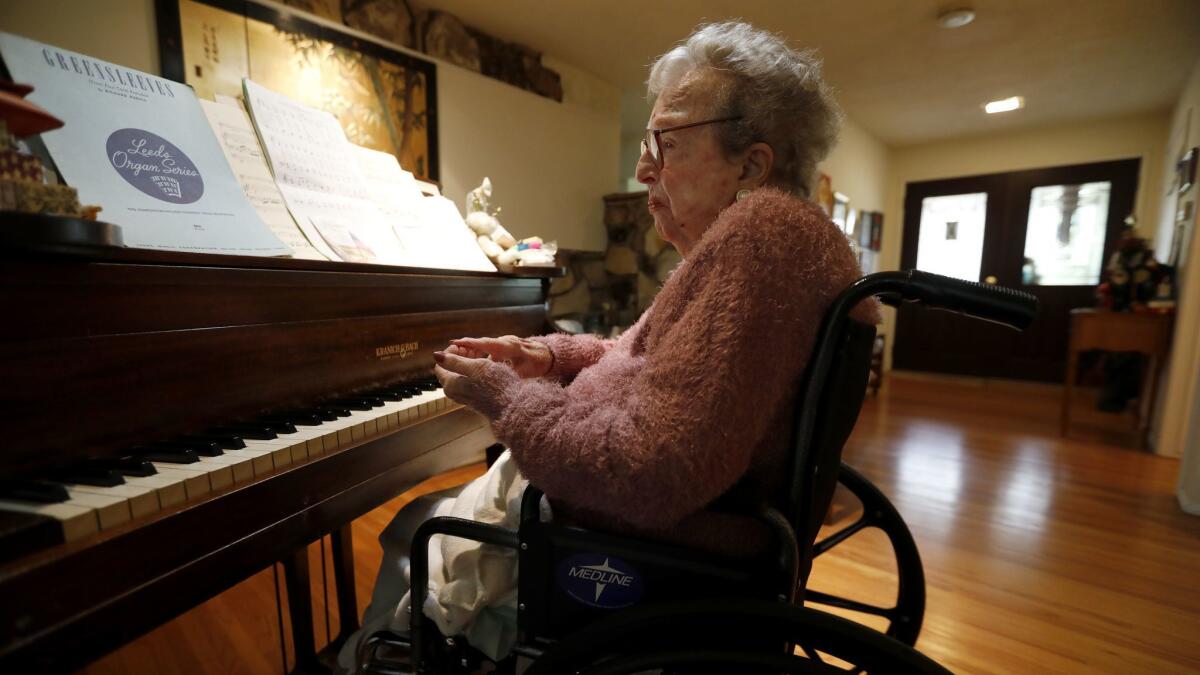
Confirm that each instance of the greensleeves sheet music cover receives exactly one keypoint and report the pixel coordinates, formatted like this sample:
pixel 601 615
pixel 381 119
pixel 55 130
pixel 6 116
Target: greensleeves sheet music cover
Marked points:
pixel 139 146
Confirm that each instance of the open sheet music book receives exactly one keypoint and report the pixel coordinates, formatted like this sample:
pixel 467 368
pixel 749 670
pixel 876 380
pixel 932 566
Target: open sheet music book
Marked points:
pixel 354 204
pixel 139 146
pixel 235 132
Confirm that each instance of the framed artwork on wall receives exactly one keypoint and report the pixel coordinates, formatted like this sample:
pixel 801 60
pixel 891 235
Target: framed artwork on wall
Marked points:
pixel 824 196
pixel 385 99
pixel 841 211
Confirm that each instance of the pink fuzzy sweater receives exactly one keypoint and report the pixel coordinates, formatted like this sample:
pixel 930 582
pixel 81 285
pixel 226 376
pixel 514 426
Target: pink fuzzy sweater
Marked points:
pixel 640 434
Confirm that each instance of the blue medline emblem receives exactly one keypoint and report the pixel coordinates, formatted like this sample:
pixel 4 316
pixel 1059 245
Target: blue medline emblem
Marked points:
pixel 600 581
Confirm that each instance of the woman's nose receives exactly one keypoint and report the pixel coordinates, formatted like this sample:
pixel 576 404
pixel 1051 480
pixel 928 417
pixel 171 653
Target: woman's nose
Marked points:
pixel 645 172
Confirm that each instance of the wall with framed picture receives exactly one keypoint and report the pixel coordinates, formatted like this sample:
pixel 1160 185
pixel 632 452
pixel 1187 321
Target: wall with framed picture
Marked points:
pixel 385 99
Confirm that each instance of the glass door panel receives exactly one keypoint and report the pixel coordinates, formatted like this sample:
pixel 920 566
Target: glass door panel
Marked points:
pixel 951 235
pixel 1064 237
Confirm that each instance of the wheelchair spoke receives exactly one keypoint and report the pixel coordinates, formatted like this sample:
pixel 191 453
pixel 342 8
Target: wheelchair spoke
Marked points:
pixel 819 598
pixel 840 536
pixel 812 653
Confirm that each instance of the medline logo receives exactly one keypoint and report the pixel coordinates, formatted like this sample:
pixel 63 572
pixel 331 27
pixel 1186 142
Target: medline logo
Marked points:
pixel 600 581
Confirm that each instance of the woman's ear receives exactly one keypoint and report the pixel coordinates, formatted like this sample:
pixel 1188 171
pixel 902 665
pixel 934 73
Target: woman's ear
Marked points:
pixel 756 167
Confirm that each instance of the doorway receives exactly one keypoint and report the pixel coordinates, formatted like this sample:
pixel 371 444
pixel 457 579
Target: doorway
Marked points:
pixel 1046 231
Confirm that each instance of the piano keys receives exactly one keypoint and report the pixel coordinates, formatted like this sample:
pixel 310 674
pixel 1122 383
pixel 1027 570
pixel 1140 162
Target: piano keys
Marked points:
pixel 186 420
pixel 97 495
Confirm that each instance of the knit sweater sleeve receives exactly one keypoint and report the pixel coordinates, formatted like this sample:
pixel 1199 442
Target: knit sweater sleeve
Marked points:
pixel 573 353
pixel 725 350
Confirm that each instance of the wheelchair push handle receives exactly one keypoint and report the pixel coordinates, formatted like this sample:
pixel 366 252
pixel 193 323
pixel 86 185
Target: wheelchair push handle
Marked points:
pixel 1007 306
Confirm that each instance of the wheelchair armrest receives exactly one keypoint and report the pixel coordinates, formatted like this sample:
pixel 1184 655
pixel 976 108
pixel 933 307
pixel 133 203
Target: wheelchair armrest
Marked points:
pixel 531 505
pixel 419 570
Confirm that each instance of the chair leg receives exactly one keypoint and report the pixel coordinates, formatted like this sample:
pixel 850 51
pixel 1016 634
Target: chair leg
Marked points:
pixel 299 594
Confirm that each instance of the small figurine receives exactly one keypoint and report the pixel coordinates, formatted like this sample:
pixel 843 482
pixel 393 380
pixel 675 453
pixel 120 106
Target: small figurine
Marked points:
pixel 500 246
pixel 25 184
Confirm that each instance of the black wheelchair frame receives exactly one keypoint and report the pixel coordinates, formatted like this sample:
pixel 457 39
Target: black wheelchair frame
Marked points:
pixel 738 611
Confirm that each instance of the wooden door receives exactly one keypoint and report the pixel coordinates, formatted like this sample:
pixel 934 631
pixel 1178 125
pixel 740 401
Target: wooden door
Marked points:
pixel 1046 231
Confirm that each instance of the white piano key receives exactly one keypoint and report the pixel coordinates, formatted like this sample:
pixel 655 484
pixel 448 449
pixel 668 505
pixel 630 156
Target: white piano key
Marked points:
pixel 76 521
pixel 259 460
pixel 220 472
pixel 195 481
pixel 169 489
pixel 110 510
pixel 143 500
pixel 242 467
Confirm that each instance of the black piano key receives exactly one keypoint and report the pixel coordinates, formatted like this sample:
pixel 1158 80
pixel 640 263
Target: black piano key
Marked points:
pixel 389 395
pixel 428 385
pixel 353 404
pixel 335 410
pixel 167 454
pixel 24 533
pixel 201 447
pixel 129 466
pixel 327 414
pixel 86 473
pixel 363 402
pixel 278 426
pixel 227 441
pixel 258 432
pixel 306 418
pixel 32 491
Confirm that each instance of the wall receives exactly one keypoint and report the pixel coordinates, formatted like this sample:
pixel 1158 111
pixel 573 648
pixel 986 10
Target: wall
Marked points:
pixel 550 163
pixel 1077 143
pixel 1179 424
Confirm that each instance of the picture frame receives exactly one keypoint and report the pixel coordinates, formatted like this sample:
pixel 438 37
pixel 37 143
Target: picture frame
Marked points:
pixel 1185 170
pixel 824 194
pixel 384 98
pixel 841 211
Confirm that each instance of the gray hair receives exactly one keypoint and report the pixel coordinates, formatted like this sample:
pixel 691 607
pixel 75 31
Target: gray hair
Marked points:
pixel 777 90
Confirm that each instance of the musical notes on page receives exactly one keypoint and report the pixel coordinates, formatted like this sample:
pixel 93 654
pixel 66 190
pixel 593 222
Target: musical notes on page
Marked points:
pixel 235 133
pixel 319 180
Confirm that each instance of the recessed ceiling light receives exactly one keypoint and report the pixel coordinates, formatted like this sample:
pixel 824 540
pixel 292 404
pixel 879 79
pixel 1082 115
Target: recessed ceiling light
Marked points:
pixel 956 18
pixel 1005 104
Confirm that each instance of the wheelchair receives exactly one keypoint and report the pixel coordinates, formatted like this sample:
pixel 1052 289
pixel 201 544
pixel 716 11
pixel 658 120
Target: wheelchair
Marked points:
pixel 600 603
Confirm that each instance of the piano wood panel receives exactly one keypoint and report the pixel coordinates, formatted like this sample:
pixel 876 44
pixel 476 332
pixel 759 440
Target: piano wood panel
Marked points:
pixel 78 299
pixel 152 386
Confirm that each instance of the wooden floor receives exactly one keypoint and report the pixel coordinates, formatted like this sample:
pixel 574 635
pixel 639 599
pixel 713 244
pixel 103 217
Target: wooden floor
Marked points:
pixel 1042 555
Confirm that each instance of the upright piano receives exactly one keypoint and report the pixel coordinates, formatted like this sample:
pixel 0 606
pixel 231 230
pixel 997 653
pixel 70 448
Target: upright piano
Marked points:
pixel 174 423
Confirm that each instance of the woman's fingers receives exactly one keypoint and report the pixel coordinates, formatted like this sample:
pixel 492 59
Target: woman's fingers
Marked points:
pixel 499 349
pixel 457 364
pixel 466 352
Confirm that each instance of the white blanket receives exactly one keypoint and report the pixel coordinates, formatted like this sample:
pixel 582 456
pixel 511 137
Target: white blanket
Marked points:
pixel 473 586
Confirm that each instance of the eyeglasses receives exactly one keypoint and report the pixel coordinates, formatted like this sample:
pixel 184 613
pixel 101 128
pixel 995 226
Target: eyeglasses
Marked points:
pixel 652 141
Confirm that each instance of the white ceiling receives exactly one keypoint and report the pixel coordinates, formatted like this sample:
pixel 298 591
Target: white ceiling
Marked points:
pixel 896 73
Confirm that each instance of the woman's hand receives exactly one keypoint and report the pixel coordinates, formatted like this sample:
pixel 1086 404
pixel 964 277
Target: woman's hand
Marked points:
pixel 475 382
pixel 529 358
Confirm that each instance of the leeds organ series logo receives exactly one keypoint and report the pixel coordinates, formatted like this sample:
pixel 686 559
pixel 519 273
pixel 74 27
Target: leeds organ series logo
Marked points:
pixel 155 166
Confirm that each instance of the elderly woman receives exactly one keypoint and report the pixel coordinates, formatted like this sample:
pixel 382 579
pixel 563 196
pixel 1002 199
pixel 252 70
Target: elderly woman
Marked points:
pixel 692 403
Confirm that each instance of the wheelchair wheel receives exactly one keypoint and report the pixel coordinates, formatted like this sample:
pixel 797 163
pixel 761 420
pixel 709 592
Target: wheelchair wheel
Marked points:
pixel 904 617
pixel 631 642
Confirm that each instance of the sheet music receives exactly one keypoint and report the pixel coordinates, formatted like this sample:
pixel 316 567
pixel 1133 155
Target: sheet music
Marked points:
pixel 235 133
pixel 140 147
pixel 319 179
pixel 430 229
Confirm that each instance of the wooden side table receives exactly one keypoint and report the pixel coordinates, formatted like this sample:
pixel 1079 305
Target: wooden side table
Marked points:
pixel 1145 333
